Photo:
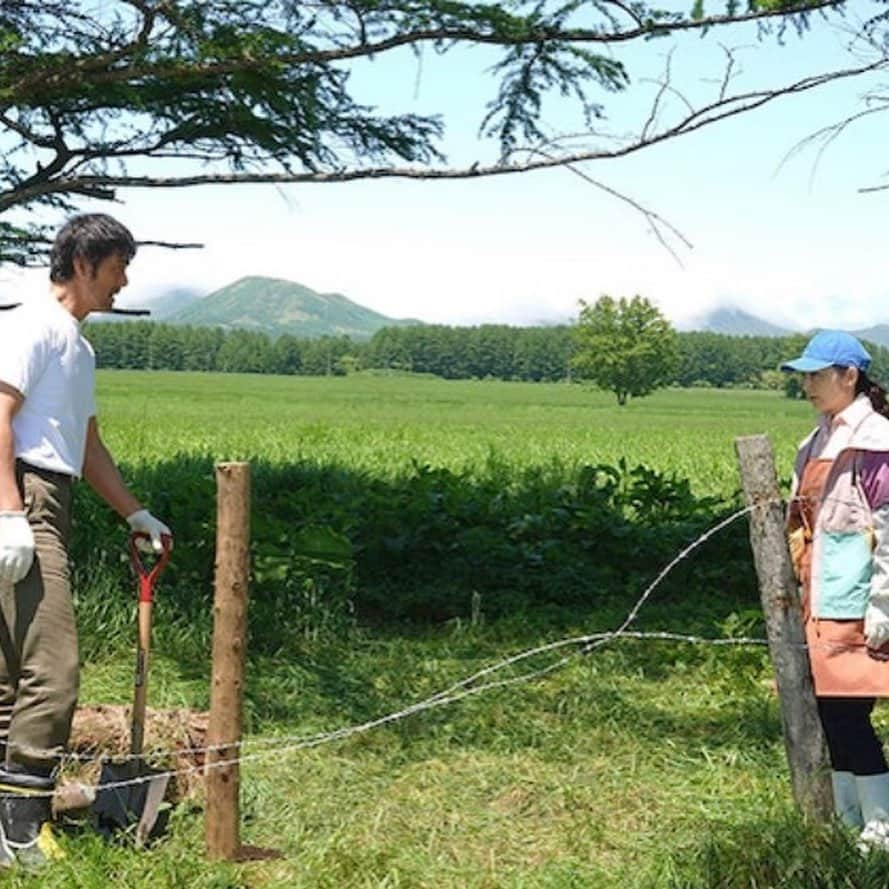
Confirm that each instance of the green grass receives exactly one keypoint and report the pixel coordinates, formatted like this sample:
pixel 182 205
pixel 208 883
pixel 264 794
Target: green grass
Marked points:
pixel 382 424
pixel 642 764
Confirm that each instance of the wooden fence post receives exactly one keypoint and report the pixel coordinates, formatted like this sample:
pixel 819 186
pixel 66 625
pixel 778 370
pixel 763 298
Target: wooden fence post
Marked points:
pixel 222 820
pixel 778 589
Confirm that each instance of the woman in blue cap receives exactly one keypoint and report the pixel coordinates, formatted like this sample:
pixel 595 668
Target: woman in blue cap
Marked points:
pixel 838 524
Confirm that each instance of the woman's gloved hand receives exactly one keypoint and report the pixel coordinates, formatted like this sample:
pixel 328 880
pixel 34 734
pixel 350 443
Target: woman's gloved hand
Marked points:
pixel 16 545
pixel 796 543
pixel 143 522
pixel 876 624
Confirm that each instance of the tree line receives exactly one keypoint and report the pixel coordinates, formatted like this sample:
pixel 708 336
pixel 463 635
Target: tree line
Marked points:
pixel 498 351
pixel 538 354
pixel 722 360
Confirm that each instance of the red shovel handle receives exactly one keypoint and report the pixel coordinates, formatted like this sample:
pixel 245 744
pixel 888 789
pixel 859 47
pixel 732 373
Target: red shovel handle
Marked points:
pixel 147 577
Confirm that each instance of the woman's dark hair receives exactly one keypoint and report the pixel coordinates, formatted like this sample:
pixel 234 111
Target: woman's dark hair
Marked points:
pixel 874 391
pixel 93 237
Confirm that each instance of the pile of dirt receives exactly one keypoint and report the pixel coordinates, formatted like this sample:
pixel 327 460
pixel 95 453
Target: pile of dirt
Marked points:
pixel 174 741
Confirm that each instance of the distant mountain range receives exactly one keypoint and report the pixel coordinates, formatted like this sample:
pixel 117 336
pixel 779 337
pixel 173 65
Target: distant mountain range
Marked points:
pixel 736 322
pixel 168 303
pixel 274 307
pixel 878 334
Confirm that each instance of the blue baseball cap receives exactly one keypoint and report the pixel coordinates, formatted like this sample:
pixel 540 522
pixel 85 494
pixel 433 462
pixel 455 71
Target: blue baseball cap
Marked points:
pixel 828 348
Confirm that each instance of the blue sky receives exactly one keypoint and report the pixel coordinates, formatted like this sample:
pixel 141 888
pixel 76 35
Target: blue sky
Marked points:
pixel 772 239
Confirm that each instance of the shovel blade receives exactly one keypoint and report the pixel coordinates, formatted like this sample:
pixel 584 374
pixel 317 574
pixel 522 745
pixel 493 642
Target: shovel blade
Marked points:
pixel 133 808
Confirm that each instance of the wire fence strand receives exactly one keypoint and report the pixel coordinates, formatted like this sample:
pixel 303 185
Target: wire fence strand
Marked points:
pixel 479 682
pixel 475 684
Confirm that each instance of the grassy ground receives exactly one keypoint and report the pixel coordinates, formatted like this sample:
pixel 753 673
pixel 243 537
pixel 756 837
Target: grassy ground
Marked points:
pixel 642 764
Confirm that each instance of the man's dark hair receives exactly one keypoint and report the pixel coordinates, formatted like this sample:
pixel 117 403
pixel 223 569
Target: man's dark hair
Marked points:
pixel 92 236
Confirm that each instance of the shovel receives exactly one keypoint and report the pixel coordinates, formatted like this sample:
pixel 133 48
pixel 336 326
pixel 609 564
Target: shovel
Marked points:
pixel 135 804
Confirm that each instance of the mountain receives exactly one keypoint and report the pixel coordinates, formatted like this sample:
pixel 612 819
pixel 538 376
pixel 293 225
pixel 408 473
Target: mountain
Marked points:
pixel 878 334
pixel 736 322
pixel 166 304
pixel 274 306
pixel 160 306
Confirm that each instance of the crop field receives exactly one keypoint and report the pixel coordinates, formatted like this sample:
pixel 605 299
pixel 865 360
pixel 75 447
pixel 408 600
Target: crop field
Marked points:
pixel 642 763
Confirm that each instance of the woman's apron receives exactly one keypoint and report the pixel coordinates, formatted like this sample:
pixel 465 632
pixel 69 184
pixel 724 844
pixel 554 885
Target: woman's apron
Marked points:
pixel 841 665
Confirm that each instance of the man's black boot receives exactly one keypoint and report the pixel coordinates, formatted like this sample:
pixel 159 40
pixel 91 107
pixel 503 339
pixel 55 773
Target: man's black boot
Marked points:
pixel 25 813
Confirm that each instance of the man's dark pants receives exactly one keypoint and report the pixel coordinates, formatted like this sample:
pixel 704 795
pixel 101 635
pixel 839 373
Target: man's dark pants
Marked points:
pixel 39 669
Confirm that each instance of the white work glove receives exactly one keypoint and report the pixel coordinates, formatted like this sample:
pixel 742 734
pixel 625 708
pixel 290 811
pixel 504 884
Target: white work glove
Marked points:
pixel 143 522
pixel 876 624
pixel 16 545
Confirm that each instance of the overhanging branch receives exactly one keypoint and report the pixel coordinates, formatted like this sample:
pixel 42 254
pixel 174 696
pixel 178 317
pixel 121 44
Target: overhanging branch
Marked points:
pixel 105 68
pixel 694 120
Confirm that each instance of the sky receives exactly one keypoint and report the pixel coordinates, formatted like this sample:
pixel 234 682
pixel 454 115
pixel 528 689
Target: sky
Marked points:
pixel 788 239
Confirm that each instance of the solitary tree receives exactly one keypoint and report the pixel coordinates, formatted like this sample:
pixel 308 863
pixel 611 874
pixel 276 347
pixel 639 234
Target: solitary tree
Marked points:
pixel 96 97
pixel 626 346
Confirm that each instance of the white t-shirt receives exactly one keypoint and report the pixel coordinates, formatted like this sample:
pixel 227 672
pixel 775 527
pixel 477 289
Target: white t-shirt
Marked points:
pixel 44 355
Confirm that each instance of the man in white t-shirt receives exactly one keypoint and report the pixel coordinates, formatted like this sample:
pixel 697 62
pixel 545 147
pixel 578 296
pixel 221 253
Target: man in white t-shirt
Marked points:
pixel 48 438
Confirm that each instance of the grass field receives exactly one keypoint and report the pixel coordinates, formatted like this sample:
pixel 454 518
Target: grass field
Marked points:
pixel 642 764
pixel 382 423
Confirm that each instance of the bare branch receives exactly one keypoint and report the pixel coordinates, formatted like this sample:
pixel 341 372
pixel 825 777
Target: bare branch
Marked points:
pixel 872 188
pixel 42 242
pixel 826 136
pixel 695 120
pixel 172 245
pixel 664 85
pixel 655 220
pixel 728 73
pixel 629 11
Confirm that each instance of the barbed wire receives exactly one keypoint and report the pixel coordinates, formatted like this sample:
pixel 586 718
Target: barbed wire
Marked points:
pixel 584 643
pixel 286 746
pixel 470 686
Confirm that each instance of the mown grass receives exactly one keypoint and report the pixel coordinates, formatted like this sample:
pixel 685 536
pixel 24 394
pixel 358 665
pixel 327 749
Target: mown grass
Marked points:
pixel 640 764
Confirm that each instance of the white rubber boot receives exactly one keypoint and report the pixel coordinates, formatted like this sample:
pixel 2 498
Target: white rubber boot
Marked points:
pixel 873 795
pixel 845 799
